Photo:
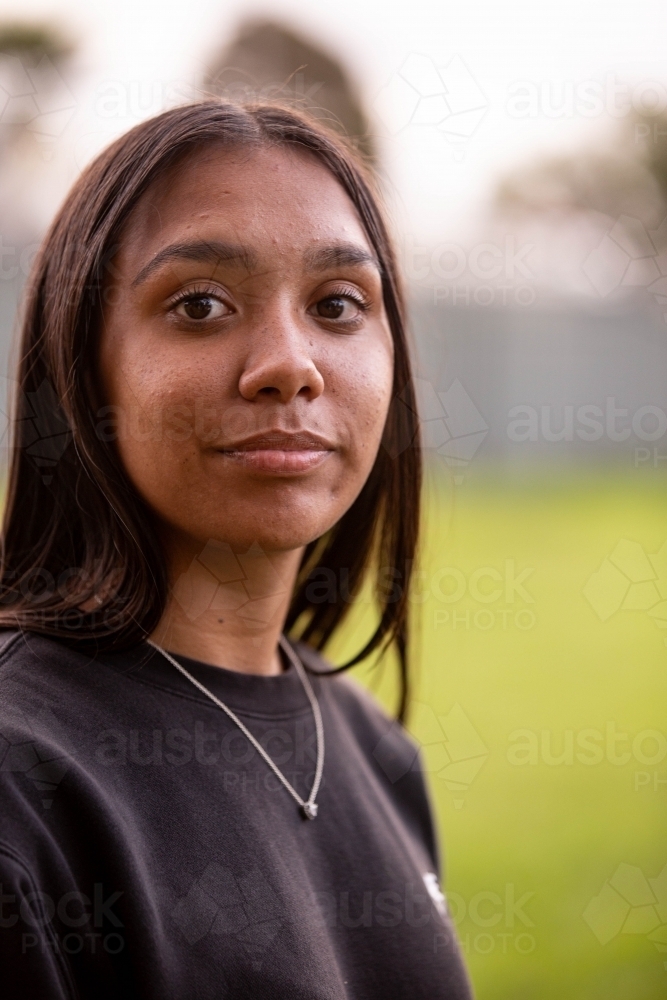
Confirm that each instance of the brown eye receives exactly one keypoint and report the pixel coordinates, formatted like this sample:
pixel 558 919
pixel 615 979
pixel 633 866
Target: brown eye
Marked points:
pixel 342 307
pixel 331 308
pixel 200 307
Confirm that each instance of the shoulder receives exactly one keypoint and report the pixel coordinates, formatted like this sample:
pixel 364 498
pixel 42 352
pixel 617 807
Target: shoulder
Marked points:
pixel 41 684
pixel 20 650
pixel 389 750
pixel 391 747
pixel 347 691
pixel 36 660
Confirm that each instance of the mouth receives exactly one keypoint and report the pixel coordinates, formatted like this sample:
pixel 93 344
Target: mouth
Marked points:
pixel 279 452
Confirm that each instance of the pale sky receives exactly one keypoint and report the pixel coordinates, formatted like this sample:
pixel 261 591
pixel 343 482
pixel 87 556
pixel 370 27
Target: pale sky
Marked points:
pixel 603 54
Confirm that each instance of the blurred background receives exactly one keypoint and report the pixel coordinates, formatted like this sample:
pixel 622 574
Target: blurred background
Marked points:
pixel 522 153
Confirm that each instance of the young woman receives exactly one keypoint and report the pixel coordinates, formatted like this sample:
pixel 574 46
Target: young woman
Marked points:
pixel 215 439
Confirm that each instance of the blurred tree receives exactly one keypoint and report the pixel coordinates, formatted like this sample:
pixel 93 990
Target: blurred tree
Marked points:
pixel 613 181
pixel 33 41
pixel 36 106
pixel 649 135
pixel 618 186
pixel 268 61
pixel 34 97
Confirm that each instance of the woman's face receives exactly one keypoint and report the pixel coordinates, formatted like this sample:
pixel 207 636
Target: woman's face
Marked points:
pixel 246 350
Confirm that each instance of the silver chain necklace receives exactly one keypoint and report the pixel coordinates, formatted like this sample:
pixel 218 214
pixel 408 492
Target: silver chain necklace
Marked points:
pixel 309 806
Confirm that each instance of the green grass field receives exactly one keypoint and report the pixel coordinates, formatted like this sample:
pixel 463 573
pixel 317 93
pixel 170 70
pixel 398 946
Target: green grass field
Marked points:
pixel 545 727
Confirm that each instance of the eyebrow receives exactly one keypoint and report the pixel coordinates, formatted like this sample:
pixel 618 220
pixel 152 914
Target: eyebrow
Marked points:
pixel 203 251
pixel 216 252
pixel 339 255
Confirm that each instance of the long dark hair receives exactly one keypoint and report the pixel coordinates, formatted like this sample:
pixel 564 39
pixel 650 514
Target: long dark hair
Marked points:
pixel 81 560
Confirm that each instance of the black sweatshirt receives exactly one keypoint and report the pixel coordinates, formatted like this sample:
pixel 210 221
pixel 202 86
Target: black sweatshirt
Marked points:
pixel 147 850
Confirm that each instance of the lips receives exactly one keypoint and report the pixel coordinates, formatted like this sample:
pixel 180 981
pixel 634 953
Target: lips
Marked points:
pixel 279 452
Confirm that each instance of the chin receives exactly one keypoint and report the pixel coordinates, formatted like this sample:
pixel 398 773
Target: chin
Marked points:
pixel 278 520
pixel 269 531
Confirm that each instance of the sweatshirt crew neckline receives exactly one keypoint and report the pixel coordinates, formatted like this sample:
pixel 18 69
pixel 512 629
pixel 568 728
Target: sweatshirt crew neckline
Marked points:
pixel 275 695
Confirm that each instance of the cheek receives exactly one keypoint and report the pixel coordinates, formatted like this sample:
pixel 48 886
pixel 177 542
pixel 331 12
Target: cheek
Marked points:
pixel 155 408
pixel 362 388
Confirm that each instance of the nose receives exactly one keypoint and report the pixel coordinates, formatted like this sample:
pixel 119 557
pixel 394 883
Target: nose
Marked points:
pixel 280 365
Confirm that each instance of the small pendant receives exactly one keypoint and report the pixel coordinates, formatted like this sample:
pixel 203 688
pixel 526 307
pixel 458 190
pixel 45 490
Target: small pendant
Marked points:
pixel 309 810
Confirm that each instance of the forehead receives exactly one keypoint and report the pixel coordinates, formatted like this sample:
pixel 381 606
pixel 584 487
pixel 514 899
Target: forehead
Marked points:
pixel 279 201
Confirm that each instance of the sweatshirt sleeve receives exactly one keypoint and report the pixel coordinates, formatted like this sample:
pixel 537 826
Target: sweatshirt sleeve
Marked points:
pixel 32 962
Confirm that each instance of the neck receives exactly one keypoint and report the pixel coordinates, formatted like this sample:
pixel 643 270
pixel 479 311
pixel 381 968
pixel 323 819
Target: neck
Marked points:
pixel 228 609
